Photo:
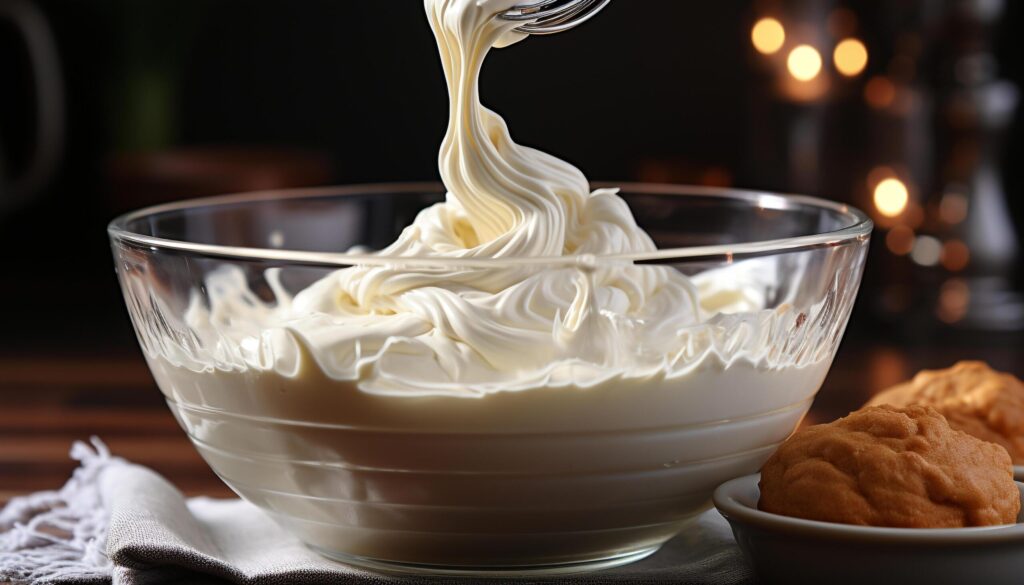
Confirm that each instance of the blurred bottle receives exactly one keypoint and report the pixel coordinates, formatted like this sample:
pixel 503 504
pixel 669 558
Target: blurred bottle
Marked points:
pixel 973 218
pixel 18 188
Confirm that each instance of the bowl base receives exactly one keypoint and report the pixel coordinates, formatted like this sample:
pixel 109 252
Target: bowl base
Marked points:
pixel 485 571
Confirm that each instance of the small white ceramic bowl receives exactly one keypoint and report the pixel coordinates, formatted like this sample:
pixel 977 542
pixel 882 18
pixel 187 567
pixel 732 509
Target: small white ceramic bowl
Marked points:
pixel 795 551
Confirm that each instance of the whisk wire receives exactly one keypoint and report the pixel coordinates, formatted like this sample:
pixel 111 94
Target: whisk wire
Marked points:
pixel 545 17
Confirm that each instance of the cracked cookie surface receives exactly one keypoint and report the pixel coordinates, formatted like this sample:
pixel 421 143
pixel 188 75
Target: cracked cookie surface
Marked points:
pixel 973 397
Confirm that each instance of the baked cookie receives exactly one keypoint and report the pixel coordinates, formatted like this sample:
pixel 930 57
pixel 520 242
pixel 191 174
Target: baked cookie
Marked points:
pixel 973 397
pixel 888 466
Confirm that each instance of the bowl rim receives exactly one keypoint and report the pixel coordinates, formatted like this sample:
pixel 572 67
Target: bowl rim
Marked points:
pixel 729 500
pixel 859 229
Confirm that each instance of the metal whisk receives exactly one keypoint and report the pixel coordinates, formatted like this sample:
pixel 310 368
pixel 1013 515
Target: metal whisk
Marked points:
pixel 545 17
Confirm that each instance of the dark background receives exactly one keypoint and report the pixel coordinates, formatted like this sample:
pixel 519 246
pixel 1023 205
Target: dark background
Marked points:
pixel 653 89
pixel 167 99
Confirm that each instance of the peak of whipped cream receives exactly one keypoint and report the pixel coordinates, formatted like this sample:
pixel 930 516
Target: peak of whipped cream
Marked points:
pixel 471 331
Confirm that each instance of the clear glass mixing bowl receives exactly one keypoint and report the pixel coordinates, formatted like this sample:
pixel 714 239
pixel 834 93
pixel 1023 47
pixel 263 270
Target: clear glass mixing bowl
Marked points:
pixel 565 477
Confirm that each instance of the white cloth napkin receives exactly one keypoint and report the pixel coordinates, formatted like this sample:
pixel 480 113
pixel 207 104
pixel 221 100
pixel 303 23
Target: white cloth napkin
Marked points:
pixel 116 522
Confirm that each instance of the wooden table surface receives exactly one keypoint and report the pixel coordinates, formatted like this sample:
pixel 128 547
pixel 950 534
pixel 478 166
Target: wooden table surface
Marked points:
pixel 46 403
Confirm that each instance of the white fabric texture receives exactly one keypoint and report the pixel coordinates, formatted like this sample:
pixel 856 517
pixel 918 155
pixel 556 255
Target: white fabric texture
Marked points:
pixel 119 523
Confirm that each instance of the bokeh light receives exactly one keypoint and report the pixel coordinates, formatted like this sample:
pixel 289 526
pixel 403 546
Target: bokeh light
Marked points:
pixel 879 92
pixel 954 300
pixel 768 36
pixel 850 57
pixel 953 208
pixel 955 255
pixel 891 197
pixel 900 240
pixel 804 63
pixel 927 251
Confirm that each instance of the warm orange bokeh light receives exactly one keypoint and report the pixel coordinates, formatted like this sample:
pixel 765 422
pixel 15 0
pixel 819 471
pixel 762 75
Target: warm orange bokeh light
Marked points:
pixel 953 208
pixel 879 92
pixel 891 197
pixel 804 63
pixel 850 57
pixel 900 240
pixel 954 300
pixel 955 255
pixel 768 36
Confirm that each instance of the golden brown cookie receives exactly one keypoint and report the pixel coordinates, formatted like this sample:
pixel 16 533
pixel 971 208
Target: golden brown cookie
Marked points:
pixel 973 397
pixel 888 466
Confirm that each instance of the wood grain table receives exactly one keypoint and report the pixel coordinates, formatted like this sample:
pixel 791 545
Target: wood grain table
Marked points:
pixel 47 402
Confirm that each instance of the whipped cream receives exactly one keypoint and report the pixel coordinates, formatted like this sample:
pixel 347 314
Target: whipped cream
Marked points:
pixel 561 406
pixel 471 331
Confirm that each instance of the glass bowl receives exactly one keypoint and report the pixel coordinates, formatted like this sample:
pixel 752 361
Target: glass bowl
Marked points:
pixel 567 471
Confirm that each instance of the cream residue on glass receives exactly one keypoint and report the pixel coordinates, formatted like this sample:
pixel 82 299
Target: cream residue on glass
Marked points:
pixel 470 331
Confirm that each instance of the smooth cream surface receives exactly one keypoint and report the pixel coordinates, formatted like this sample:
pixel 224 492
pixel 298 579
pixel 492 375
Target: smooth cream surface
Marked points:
pixel 471 331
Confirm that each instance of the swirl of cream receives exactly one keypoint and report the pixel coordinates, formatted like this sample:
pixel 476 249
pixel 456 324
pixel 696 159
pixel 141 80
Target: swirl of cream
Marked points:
pixel 470 331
